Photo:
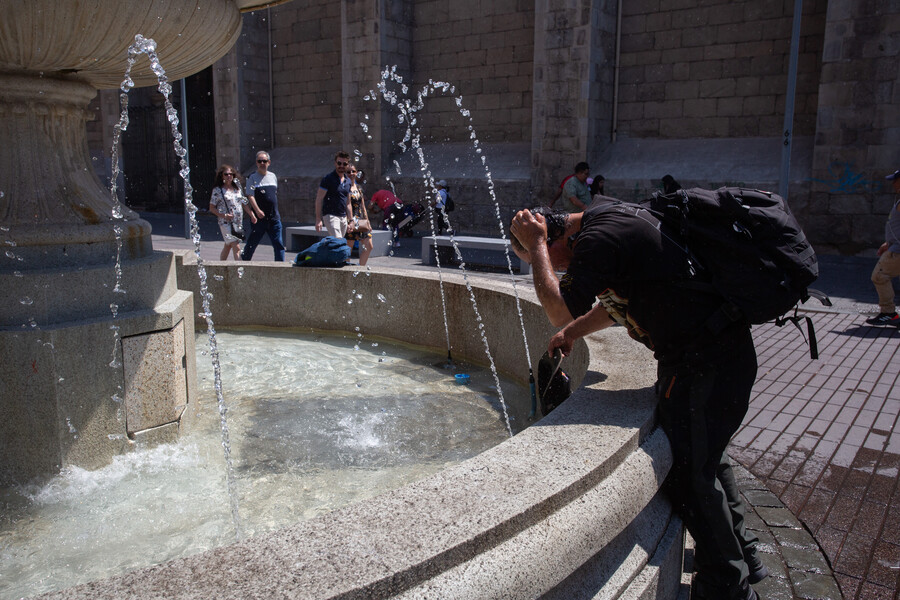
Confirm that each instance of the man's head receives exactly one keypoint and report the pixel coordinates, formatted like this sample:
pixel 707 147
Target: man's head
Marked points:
pixel 894 178
pixel 262 161
pixel 560 228
pixel 341 162
pixel 582 170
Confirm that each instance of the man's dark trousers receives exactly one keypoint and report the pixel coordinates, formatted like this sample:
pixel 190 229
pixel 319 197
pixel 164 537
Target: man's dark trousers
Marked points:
pixel 704 396
pixel 260 228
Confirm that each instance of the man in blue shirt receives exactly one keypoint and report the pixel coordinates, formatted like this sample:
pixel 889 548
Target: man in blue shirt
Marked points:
pixel 333 198
pixel 262 193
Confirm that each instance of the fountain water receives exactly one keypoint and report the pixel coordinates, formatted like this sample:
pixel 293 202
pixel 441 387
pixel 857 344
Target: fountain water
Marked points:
pixel 303 447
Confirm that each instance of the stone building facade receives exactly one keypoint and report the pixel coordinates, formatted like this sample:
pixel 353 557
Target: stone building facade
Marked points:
pixel 693 88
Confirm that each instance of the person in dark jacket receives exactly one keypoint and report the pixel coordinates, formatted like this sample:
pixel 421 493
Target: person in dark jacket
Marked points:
pixel 621 267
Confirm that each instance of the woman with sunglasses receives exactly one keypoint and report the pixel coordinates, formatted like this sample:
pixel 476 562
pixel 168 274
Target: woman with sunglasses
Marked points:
pixel 226 203
pixel 356 231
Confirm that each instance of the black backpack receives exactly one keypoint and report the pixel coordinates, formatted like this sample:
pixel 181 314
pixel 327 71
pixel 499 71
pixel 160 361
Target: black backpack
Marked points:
pixel 746 246
pixel 449 205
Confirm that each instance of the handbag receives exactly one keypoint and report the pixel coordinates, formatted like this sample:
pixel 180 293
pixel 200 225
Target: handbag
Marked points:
pixel 237 230
pixel 363 226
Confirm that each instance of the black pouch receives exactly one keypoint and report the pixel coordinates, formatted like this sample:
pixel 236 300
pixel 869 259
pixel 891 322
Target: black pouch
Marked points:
pixel 236 232
pixel 553 383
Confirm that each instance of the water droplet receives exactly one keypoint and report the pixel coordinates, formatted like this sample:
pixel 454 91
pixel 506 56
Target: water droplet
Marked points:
pixel 26 301
pixel 218 277
pixel 240 272
pixel 381 298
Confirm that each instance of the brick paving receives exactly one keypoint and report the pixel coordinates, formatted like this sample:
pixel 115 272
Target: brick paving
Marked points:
pixel 821 435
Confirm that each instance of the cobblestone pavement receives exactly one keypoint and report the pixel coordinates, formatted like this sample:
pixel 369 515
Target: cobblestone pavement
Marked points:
pixel 821 437
pixel 819 451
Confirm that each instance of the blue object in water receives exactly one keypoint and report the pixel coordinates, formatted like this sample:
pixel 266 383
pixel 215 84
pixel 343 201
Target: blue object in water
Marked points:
pixel 462 378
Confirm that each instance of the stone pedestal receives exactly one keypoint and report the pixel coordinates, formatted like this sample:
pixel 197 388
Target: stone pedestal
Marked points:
pixel 69 395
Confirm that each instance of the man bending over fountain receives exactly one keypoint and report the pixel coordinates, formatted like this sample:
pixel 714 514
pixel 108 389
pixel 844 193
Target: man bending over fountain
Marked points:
pixel 616 255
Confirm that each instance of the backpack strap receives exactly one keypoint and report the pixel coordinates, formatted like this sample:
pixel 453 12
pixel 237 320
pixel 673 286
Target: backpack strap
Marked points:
pixel 811 339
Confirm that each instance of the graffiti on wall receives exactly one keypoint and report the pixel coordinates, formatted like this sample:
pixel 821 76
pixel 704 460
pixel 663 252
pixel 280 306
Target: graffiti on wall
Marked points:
pixel 844 179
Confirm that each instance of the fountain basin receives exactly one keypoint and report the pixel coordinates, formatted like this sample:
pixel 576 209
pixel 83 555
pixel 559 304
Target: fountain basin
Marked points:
pixel 568 508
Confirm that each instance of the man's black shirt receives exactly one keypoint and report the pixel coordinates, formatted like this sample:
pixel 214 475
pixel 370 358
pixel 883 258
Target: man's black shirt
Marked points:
pixel 625 260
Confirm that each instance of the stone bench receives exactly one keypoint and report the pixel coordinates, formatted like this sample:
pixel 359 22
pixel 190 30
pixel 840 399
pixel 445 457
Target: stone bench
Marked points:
pixel 303 236
pixel 474 250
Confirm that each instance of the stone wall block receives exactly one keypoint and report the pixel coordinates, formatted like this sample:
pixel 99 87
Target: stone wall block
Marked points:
pixel 715 88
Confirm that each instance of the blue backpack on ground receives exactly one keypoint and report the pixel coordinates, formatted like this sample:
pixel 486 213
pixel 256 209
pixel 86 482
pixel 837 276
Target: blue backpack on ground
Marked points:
pixel 327 252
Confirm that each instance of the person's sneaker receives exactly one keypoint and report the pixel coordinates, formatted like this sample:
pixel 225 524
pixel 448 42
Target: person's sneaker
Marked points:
pixel 758 571
pixel 885 319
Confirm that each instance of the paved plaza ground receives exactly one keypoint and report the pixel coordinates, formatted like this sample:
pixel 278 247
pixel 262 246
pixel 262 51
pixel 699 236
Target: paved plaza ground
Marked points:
pixel 819 446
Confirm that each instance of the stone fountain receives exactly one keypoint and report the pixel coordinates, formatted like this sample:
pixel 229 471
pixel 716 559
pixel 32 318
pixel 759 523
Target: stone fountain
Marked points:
pixel 87 369
pixel 569 508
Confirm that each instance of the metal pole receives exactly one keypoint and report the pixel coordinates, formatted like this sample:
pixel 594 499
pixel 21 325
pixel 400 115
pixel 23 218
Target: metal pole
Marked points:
pixel 271 84
pixel 615 106
pixel 187 159
pixel 789 103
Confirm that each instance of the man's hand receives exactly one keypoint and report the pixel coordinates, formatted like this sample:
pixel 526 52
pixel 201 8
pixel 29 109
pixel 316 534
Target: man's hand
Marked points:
pixel 883 248
pixel 530 229
pixel 562 341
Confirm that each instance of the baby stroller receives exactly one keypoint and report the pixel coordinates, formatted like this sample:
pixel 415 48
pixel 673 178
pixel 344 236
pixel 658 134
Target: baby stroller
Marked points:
pixel 404 217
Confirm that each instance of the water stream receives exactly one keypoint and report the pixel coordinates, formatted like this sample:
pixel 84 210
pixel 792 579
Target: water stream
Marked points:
pixel 147 46
pixel 407 116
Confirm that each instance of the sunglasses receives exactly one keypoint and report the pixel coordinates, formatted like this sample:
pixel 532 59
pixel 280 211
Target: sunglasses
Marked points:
pixel 261 160
pixel 227 174
pixel 341 164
